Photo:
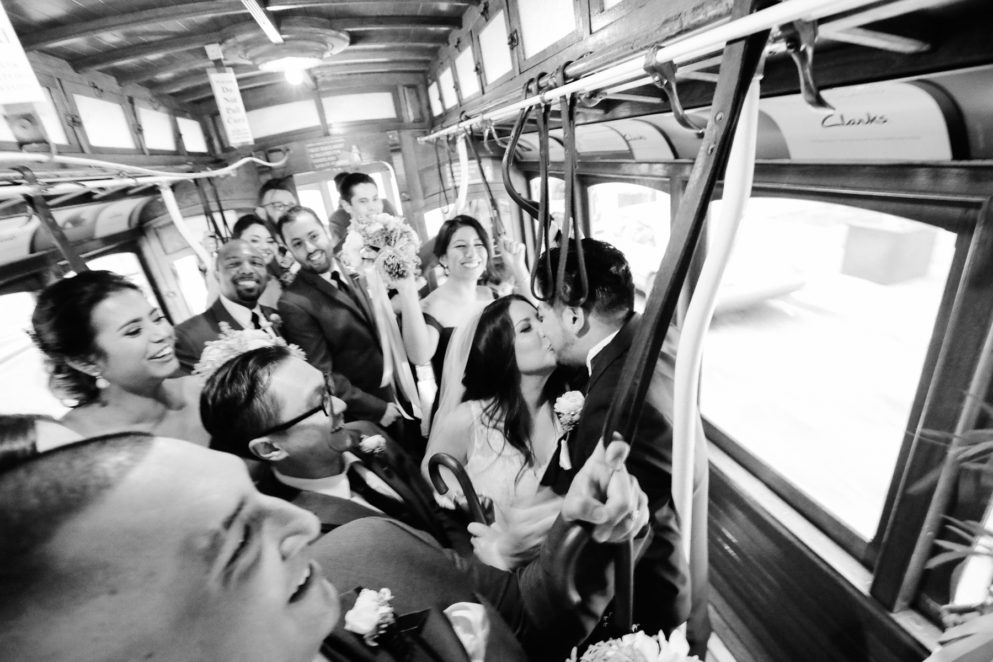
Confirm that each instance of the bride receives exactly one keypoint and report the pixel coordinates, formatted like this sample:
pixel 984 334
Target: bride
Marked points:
pixel 501 425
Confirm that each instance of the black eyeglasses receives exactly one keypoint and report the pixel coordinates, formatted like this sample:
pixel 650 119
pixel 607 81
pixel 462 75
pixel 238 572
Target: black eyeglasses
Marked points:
pixel 326 406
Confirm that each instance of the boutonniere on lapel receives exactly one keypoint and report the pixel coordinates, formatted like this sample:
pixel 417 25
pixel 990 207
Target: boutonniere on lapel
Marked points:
pixel 276 322
pixel 373 445
pixel 567 407
pixel 372 615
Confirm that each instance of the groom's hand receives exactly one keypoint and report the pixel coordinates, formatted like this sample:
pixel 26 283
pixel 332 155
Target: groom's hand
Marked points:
pixel 605 495
pixel 391 414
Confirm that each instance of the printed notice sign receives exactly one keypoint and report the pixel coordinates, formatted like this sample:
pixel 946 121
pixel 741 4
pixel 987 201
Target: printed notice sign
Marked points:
pixel 230 107
pixel 327 153
pixel 869 122
pixel 18 83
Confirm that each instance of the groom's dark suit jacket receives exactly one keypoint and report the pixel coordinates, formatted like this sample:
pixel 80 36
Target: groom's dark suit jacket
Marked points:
pixel 662 596
pixel 525 606
pixel 338 331
pixel 193 334
pixel 398 470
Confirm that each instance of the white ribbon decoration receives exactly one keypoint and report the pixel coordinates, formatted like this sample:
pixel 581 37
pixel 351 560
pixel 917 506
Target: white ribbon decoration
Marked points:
pixel 686 414
pixel 396 366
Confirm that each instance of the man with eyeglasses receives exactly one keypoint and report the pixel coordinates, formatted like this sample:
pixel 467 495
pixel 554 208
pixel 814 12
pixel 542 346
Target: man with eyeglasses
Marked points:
pixel 240 270
pixel 267 404
pixel 275 197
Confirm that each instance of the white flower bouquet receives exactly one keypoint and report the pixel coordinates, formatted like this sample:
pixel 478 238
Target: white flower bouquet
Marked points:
pixel 639 647
pixel 387 242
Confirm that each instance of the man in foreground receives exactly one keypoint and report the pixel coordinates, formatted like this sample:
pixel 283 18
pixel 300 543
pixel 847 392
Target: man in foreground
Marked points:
pixel 130 547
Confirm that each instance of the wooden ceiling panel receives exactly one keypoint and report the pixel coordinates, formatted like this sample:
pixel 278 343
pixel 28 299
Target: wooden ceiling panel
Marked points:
pixel 156 42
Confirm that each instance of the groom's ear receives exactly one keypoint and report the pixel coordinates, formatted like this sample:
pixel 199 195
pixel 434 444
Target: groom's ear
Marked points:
pixel 574 319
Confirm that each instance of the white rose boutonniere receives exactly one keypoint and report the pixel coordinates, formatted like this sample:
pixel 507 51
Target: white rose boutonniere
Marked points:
pixel 376 444
pixel 640 647
pixel 371 615
pixel 568 406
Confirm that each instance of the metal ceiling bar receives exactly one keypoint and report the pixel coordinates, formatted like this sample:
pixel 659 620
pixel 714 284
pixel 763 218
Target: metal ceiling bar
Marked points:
pixel 37 202
pixel 697 45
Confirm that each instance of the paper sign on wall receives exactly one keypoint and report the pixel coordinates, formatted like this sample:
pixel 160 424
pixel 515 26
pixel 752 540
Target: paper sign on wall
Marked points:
pixel 18 84
pixel 230 107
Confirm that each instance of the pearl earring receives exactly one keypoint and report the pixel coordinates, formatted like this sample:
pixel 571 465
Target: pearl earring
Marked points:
pixel 102 383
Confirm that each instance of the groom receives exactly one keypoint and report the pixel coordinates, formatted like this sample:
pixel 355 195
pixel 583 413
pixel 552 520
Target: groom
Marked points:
pixel 597 334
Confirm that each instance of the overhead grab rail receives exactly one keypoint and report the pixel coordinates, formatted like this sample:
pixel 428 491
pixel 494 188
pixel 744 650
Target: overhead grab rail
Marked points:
pixel 686 50
pixel 125 176
pixel 120 175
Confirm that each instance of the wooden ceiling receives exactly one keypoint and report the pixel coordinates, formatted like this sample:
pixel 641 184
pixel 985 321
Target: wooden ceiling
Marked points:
pixel 160 44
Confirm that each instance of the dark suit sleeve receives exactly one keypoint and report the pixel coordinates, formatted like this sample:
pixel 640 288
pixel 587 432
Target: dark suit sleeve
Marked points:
pixel 531 599
pixel 300 328
pixel 186 351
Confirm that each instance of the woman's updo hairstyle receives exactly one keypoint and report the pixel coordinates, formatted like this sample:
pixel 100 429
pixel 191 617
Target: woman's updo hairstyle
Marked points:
pixel 63 329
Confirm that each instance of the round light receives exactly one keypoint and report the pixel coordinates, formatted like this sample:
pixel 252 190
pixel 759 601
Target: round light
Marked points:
pixel 290 63
pixel 294 76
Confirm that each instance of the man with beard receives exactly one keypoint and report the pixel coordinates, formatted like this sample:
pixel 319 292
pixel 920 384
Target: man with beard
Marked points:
pixel 241 275
pixel 329 315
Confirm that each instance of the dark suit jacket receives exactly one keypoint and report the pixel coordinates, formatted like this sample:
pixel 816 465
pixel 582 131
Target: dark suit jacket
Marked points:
pixel 662 584
pixel 398 470
pixel 525 606
pixel 337 332
pixel 193 334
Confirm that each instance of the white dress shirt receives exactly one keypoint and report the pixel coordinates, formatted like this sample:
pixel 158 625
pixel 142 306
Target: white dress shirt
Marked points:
pixel 243 315
pixel 596 349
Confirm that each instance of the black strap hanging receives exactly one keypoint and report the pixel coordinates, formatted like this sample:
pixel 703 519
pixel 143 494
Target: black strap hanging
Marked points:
pixel 495 220
pixel 37 202
pixel 570 219
pixel 508 155
pixel 441 177
pixel 220 208
pixel 205 204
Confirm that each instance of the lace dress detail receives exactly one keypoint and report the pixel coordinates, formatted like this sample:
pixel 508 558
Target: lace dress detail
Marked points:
pixel 494 466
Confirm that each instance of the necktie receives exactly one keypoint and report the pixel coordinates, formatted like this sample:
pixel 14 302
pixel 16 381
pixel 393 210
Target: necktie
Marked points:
pixel 375 498
pixel 255 321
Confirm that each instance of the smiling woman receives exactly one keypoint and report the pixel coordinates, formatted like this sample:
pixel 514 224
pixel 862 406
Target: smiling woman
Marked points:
pixel 111 353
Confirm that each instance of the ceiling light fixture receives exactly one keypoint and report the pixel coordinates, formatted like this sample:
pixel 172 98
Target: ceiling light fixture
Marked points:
pixel 261 17
pixel 307 43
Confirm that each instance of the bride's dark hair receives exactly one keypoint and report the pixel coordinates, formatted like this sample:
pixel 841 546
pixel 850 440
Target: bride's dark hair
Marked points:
pixel 491 374
pixel 63 329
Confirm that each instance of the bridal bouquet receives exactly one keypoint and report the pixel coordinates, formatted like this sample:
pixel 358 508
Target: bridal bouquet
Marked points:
pixel 389 243
pixel 234 342
pixel 639 647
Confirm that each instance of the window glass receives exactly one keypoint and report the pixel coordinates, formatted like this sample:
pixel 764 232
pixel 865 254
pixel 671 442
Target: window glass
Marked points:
pixel 51 120
pixel 447 83
pixel 543 23
pixel 433 218
pixel 104 122
pixel 359 107
pixel 434 97
pixel 283 118
pixel 156 128
pixel 814 354
pixel 607 4
pixel 634 219
pixel 24 388
pixel 556 195
pixel 128 265
pixel 465 65
pixel 192 134
pixel 494 49
pixel 191 282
